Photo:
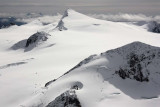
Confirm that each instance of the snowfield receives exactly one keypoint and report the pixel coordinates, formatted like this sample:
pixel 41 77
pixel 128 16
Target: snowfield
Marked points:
pixel 49 65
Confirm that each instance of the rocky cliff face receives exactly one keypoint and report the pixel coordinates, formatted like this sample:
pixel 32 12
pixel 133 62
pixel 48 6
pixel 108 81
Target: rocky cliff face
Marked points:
pixel 67 99
pixel 134 69
pixel 153 26
pixel 134 61
pixel 37 37
pixel 138 58
pixel 33 41
pixel 60 25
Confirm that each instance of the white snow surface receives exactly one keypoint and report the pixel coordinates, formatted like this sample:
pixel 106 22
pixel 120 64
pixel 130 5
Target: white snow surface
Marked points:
pixel 23 74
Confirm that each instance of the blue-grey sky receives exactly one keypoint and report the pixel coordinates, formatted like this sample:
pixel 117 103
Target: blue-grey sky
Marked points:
pixel 147 7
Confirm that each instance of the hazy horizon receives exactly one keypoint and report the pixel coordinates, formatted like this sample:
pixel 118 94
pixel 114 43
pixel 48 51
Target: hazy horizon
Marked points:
pixel 147 7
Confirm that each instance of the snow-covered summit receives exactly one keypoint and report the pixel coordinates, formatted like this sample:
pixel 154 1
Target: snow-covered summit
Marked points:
pixel 133 69
pixel 75 20
pixel 131 61
pixel 137 61
pixel 67 13
pixel 60 25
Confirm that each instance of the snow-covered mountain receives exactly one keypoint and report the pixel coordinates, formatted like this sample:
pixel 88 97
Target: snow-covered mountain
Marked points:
pixel 43 65
pixel 130 72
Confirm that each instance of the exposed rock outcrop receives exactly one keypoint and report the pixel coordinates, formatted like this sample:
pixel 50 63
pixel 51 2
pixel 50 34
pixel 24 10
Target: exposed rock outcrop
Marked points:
pixel 137 57
pixel 37 37
pixel 154 26
pixel 67 99
pixel 33 41
pixel 61 25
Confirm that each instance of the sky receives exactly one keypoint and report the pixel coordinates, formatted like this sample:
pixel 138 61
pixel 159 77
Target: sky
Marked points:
pixel 147 7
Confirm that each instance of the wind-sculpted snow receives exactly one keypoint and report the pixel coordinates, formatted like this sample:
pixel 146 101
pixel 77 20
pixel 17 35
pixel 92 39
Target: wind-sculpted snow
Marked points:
pixel 127 76
pixel 12 64
pixel 133 69
pixel 134 62
pixel 136 58
pixel 85 61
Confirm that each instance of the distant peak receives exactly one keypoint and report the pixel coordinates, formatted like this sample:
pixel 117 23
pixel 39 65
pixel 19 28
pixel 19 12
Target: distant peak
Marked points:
pixel 67 17
pixel 60 25
pixel 69 10
pixel 66 12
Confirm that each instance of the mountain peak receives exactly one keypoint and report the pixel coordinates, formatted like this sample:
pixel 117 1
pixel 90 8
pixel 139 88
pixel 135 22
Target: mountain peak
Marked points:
pixel 66 12
pixel 134 47
pixel 60 25
pixel 136 59
pixel 69 19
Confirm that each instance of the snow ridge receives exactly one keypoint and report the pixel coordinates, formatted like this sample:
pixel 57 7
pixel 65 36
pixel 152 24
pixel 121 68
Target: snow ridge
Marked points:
pixel 60 25
pixel 136 59
pixel 134 64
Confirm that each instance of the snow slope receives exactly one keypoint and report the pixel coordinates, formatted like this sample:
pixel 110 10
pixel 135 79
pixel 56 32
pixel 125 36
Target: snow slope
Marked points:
pixel 23 74
pixel 99 82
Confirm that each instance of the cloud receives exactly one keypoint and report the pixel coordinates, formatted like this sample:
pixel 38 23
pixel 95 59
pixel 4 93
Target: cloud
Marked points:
pixel 46 19
pixel 126 17
pixel 29 17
